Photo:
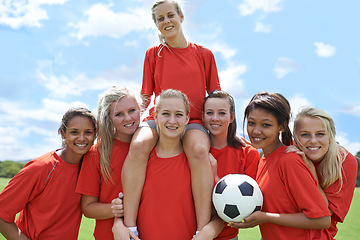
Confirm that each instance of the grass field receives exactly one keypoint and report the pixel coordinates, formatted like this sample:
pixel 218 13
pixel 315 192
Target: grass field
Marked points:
pixel 349 230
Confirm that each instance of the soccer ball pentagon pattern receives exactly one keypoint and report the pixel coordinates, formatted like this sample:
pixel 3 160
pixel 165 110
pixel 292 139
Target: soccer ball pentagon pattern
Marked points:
pixel 236 196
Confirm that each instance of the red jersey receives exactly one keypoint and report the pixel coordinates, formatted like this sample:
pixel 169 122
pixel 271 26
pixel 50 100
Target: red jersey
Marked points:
pixel 340 201
pixel 192 70
pixel 288 186
pixel 44 194
pixel 166 208
pixel 92 183
pixel 230 160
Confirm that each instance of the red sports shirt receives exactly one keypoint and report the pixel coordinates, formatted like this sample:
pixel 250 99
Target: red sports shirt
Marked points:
pixel 192 70
pixel 44 194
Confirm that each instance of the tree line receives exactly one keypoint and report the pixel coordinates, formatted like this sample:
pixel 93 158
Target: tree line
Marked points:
pixel 8 168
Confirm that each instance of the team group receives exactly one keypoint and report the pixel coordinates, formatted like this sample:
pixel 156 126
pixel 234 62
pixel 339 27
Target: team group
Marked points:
pixel 154 179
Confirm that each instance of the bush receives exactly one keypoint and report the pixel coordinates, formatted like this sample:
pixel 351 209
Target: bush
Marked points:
pixel 9 169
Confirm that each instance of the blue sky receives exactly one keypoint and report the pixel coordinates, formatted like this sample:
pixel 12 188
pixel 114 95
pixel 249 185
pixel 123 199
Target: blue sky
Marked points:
pixel 56 54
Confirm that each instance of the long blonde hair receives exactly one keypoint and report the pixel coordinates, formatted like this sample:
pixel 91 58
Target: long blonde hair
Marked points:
pixel 330 167
pixel 106 127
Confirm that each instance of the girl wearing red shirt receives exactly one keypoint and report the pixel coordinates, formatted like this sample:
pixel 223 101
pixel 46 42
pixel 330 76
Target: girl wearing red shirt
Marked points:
pixel 332 165
pixel 44 189
pixel 293 207
pixel 230 155
pixel 190 68
pixel 100 177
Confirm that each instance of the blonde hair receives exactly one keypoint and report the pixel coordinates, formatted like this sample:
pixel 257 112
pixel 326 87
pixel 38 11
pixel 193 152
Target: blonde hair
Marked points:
pixel 330 167
pixel 172 93
pixel 106 127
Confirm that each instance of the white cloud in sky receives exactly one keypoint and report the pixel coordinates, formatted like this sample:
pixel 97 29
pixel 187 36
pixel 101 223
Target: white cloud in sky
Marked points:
pixel 324 50
pixel 101 20
pixel 248 7
pixel 352 110
pixel 342 139
pixel 284 66
pixel 24 13
pixel 230 79
pixel 260 27
pixel 63 86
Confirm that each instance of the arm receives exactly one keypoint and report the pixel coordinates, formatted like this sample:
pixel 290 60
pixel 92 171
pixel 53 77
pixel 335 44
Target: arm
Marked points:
pixel 93 209
pixel 212 229
pixel 311 166
pixel 121 232
pixel 213 163
pixel 11 231
pixel 295 220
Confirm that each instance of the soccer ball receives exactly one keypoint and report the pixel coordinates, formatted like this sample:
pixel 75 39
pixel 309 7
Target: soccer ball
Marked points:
pixel 236 196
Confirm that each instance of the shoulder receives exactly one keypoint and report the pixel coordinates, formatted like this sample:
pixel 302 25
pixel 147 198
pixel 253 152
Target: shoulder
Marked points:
pixel 350 163
pixel 200 48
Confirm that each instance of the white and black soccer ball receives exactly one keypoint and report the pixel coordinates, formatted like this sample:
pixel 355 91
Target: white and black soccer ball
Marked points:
pixel 236 196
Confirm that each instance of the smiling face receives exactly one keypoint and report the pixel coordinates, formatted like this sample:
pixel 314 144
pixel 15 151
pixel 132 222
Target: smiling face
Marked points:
pixel 171 118
pixel 313 138
pixel 168 20
pixel 217 116
pixel 263 130
pixel 125 115
pixel 79 136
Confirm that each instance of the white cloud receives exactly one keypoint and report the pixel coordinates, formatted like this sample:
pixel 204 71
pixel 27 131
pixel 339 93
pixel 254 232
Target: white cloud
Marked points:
pixel 226 52
pixel 37 128
pixel 260 27
pixel 248 7
pixel 284 66
pixel 101 20
pixel 63 86
pixel 352 147
pixel 352 110
pixel 22 13
pixel 230 79
pixel 324 50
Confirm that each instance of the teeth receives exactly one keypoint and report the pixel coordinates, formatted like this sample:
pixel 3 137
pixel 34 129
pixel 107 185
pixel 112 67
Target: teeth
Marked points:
pixel 257 139
pixel 168 28
pixel 128 125
pixel 313 148
pixel 80 145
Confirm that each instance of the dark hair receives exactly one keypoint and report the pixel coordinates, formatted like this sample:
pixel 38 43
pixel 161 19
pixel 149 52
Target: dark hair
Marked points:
pixel 231 139
pixel 74 112
pixel 277 105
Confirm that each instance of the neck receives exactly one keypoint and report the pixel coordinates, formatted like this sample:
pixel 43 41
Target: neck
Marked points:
pixel 179 42
pixel 68 157
pixel 269 149
pixel 218 141
pixel 166 148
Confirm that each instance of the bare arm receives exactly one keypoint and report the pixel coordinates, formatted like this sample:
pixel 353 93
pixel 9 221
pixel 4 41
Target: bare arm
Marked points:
pixel 295 220
pixel 10 231
pixel 212 229
pixel 121 232
pixel 93 209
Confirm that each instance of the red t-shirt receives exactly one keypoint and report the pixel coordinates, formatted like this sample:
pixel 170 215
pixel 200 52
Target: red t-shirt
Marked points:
pixel 44 194
pixel 288 186
pixel 340 201
pixel 192 70
pixel 92 183
pixel 167 209
pixel 230 160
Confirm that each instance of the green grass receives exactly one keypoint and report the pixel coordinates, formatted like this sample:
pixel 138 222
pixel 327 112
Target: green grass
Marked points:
pixel 349 230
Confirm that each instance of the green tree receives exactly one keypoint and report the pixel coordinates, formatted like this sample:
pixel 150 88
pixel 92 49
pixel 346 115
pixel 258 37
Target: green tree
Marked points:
pixel 358 174
pixel 8 169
